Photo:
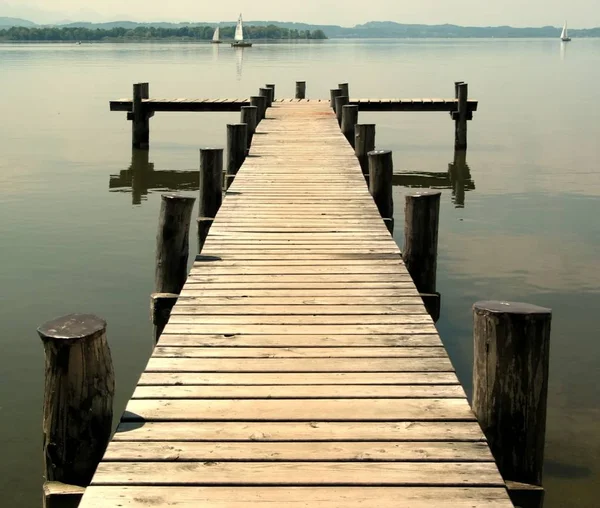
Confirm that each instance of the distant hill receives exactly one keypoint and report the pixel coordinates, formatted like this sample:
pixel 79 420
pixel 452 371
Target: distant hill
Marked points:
pixel 372 29
pixel 8 22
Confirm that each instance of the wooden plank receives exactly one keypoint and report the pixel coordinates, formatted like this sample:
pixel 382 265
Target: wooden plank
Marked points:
pixel 300 391
pixel 430 432
pixel 195 290
pixel 186 451
pixel 315 319
pixel 299 410
pixel 299 309
pixel 309 329
pixel 451 474
pixel 296 497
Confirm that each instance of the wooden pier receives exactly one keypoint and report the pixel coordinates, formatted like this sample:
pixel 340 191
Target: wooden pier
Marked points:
pixel 299 367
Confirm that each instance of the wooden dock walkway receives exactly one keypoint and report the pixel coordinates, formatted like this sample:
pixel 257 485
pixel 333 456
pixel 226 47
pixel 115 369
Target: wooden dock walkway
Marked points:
pixel 299 367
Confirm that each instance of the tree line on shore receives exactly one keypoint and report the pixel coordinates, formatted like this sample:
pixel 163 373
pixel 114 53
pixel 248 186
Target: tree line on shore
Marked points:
pixel 201 33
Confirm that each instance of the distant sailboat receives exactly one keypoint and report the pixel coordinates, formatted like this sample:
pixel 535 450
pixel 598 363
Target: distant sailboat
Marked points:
pixel 564 36
pixel 238 39
pixel 217 37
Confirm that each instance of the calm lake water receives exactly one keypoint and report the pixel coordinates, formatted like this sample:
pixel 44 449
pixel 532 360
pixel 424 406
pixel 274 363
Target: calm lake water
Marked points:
pixel 521 222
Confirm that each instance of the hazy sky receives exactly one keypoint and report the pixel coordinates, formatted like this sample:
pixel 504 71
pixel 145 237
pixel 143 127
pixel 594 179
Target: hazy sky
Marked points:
pixel 579 13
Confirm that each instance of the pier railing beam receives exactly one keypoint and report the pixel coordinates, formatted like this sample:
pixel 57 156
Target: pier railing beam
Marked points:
pixel 460 141
pixel 349 121
pixel 249 117
pixel 364 142
pixel 261 103
pixel 172 250
pixel 300 89
pixel 266 93
pixel 510 384
pixel 334 93
pixel 211 190
pixel 421 225
pixel 340 102
pixel 140 117
pixel 78 397
pixel 381 172
pixel 344 87
pixel 237 140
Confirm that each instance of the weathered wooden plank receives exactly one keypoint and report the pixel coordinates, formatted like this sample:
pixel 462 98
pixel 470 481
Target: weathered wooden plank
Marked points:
pixel 298 329
pixel 300 309
pixel 185 451
pixel 364 304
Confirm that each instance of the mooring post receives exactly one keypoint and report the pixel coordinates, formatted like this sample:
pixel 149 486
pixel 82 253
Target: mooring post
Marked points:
pixel 78 397
pixel 140 118
pixel 344 87
pixel 334 93
pixel 62 495
pixel 300 89
pixel 381 172
pixel 211 190
pixel 421 225
pixel 460 141
pixel 364 142
pixel 272 88
pixel 172 250
pixel 261 103
pixel 266 93
pixel 510 387
pixel 456 83
pixel 349 121
pixel 237 140
pixel 340 102
pixel 249 117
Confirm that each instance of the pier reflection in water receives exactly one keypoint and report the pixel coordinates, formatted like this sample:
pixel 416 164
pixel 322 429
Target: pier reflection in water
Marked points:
pixel 457 178
pixel 141 178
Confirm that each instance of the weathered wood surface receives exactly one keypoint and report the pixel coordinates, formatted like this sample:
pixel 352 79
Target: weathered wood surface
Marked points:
pixel 299 366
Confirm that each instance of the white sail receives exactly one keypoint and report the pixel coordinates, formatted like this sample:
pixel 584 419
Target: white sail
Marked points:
pixel 239 30
pixel 563 34
pixel 217 34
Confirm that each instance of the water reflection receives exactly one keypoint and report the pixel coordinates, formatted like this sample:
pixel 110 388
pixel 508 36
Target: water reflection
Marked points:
pixel 141 177
pixel 457 178
pixel 563 50
pixel 239 58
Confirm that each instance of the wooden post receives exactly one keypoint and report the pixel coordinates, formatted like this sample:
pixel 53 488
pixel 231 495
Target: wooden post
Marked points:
pixel 335 92
pixel 211 190
pixel 300 89
pixel 62 495
pixel 272 88
pixel 345 89
pixel 249 117
pixel 237 139
pixel 381 172
pixel 456 83
pixel 349 120
pixel 460 140
pixel 78 397
pixel 161 305
pixel 261 103
pixel 421 223
pixel 266 93
pixel 140 119
pixel 364 142
pixel 510 384
pixel 340 102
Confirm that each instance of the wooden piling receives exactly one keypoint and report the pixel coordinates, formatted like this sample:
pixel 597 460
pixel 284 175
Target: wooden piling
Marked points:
pixel 249 117
pixel 421 224
pixel 460 140
pixel 510 384
pixel 364 142
pixel 344 87
pixel 61 495
pixel 334 93
pixel 140 119
pixel 237 140
pixel 78 397
pixel 349 121
pixel 261 103
pixel 211 190
pixel 266 93
pixel 272 88
pixel 300 89
pixel 340 102
pixel 381 172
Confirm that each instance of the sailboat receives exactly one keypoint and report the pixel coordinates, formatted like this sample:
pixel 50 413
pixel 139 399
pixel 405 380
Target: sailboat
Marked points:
pixel 217 37
pixel 238 39
pixel 564 36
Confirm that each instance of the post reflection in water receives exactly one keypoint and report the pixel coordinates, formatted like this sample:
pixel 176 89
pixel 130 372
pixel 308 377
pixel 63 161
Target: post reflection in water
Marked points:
pixel 457 178
pixel 141 178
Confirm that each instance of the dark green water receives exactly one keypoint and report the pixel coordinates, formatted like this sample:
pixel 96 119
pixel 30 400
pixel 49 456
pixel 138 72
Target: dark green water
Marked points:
pixel 521 222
